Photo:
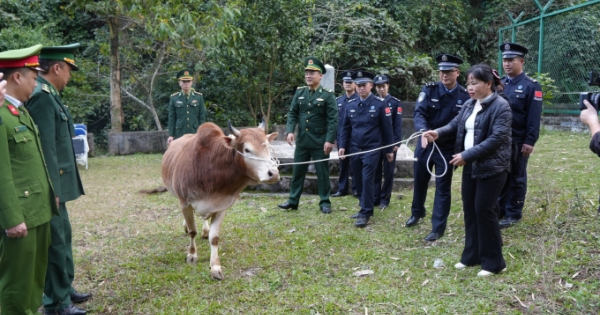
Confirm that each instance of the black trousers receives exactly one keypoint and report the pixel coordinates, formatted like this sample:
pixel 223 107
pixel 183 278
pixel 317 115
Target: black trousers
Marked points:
pixel 483 242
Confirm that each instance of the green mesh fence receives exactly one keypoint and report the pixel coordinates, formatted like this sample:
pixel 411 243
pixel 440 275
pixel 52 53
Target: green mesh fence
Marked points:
pixel 570 50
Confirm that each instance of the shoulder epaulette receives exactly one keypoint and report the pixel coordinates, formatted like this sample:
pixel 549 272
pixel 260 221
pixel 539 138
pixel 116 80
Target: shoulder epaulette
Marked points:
pixel 531 79
pixel 45 88
pixel 197 93
pixel 462 88
pixel 328 90
pixel 396 99
pixel 379 98
pixel 301 87
pixel 174 94
pixel 337 98
pixel 430 84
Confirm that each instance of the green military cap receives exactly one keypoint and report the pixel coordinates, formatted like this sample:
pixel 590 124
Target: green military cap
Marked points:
pixel 21 58
pixel 312 63
pixel 185 74
pixel 64 53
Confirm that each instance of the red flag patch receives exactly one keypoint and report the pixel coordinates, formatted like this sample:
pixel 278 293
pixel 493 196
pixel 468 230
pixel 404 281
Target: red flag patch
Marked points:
pixel 538 93
pixel 13 110
pixel 388 110
pixel 399 110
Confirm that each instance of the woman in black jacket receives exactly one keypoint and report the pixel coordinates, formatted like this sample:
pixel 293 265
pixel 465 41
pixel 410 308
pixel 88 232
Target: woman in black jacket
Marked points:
pixel 483 138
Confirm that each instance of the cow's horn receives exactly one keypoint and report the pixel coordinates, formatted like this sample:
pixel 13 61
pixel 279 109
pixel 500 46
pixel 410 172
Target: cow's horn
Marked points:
pixel 234 131
pixel 263 125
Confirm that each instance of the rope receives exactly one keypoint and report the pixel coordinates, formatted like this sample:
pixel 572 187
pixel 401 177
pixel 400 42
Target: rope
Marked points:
pixel 273 157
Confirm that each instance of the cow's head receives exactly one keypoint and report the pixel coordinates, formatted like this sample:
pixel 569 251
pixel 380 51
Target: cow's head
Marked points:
pixel 253 144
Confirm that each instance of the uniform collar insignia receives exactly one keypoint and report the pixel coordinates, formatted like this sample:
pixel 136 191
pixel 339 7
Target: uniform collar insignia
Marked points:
pixel 13 110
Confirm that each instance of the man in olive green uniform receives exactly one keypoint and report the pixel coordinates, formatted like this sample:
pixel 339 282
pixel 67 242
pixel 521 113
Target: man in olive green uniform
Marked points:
pixel 315 113
pixel 186 108
pixel 56 130
pixel 27 201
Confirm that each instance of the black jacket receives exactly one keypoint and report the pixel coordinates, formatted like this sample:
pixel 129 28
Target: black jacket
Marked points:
pixel 491 151
pixel 595 143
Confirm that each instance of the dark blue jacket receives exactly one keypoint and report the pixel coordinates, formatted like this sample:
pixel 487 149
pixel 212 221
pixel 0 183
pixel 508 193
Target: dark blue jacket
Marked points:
pixel 526 108
pixel 396 109
pixel 341 102
pixel 436 108
pixel 367 125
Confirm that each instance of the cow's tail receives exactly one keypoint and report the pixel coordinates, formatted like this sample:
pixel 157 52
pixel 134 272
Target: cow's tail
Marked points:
pixel 158 190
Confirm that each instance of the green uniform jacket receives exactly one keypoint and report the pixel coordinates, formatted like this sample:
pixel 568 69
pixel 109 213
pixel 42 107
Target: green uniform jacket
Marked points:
pixel 25 190
pixel 54 122
pixel 186 113
pixel 316 117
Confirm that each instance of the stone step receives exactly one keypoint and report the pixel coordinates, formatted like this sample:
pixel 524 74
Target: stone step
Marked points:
pixel 310 184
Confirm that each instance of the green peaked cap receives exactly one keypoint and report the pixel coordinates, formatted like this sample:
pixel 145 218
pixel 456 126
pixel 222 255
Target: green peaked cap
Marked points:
pixel 313 63
pixel 20 58
pixel 185 74
pixel 64 53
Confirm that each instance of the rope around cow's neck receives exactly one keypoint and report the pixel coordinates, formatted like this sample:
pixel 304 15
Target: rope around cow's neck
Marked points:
pixel 413 136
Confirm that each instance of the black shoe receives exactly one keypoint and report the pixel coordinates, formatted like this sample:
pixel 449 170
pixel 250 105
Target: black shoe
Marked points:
pixel 287 205
pixel 355 194
pixel 432 237
pixel 77 297
pixel 355 216
pixel 412 221
pixel 70 310
pixel 508 221
pixel 338 194
pixel 383 206
pixel 325 209
pixel 361 222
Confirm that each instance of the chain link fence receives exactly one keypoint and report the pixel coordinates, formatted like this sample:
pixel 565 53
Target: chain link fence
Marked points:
pixel 570 49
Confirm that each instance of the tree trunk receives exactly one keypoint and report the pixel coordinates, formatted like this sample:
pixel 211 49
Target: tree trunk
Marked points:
pixel 116 110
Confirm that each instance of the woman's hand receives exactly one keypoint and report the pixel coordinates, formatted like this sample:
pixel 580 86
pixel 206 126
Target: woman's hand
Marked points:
pixel 457 160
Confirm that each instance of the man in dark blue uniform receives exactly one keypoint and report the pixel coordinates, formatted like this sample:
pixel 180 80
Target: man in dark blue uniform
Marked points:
pixel 525 96
pixel 367 125
pixel 437 105
pixel 349 96
pixel 383 193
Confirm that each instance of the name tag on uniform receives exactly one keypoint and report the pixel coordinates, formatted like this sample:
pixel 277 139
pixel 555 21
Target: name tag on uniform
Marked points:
pixel 352 110
pixel 458 105
pixel 194 101
pixel 179 102
pixel 372 111
pixel 519 91
pixel 434 100
pixel 20 128
pixel 339 104
pixel 320 99
pixel 301 97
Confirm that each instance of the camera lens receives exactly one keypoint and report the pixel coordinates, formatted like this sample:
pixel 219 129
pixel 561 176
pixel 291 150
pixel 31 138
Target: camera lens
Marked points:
pixel 595 99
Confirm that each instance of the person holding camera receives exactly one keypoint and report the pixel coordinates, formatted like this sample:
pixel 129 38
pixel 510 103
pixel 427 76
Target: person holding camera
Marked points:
pixel 589 117
pixel 482 130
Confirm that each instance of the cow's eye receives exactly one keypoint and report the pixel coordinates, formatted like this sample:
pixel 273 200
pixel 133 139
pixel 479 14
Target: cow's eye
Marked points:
pixel 246 150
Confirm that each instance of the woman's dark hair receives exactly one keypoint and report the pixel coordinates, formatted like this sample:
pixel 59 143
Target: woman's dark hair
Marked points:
pixel 485 73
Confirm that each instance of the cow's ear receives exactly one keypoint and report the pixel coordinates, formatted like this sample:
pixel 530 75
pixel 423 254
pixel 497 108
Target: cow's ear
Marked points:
pixel 271 137
pixel 229 141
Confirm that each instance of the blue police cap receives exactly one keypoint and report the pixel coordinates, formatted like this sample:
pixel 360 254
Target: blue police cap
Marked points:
pixel 512 50
pixel 361 77
pixel 347 76
pixel 448 62
pixel 381 79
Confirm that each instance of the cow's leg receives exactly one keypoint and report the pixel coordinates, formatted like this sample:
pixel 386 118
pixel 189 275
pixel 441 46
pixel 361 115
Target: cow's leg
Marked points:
pixel 205 229
pixel 213 239
pixel 190 226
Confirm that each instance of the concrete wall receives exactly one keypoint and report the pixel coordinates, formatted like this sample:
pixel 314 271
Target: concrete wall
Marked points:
pixel 123 143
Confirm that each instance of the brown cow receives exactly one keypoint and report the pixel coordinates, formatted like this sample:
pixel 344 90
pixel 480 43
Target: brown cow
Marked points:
pixel 206 173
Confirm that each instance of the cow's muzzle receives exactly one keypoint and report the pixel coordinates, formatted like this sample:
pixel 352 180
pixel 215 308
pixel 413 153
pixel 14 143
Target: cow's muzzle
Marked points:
pixel 273 173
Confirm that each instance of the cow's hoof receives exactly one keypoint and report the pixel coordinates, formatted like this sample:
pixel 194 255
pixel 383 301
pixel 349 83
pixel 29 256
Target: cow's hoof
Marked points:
pixel 216 273
pixel 192 259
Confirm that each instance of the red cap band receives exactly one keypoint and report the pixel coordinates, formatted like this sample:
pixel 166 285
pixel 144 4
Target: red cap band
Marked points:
pixel 31 61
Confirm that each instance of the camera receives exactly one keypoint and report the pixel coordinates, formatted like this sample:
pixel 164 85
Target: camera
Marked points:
pixel 593 98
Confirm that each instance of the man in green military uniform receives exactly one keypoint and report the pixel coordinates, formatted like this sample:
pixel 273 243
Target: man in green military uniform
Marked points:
pixel 315 113
pixel 186 108
pixel 27 201
pixel 56 130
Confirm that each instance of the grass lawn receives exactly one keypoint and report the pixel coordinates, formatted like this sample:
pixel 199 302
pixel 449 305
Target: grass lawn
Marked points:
pixel 130 249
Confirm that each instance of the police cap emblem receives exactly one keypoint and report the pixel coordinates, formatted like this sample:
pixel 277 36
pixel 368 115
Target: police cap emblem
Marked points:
pixel 444 58
pixel 507 47
pixel 359 74
pixel 380 78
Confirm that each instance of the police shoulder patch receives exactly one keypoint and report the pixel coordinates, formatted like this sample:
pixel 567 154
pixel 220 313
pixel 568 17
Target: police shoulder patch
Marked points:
pixel 45 88
pixel 174 94
pixel 430 84
pixel 197 93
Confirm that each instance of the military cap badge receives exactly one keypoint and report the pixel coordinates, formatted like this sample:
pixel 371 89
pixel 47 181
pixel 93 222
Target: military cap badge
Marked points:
pixel 310 62
pixel 359 74
pixel 186 73
pixel 507 47
pixel 444 58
